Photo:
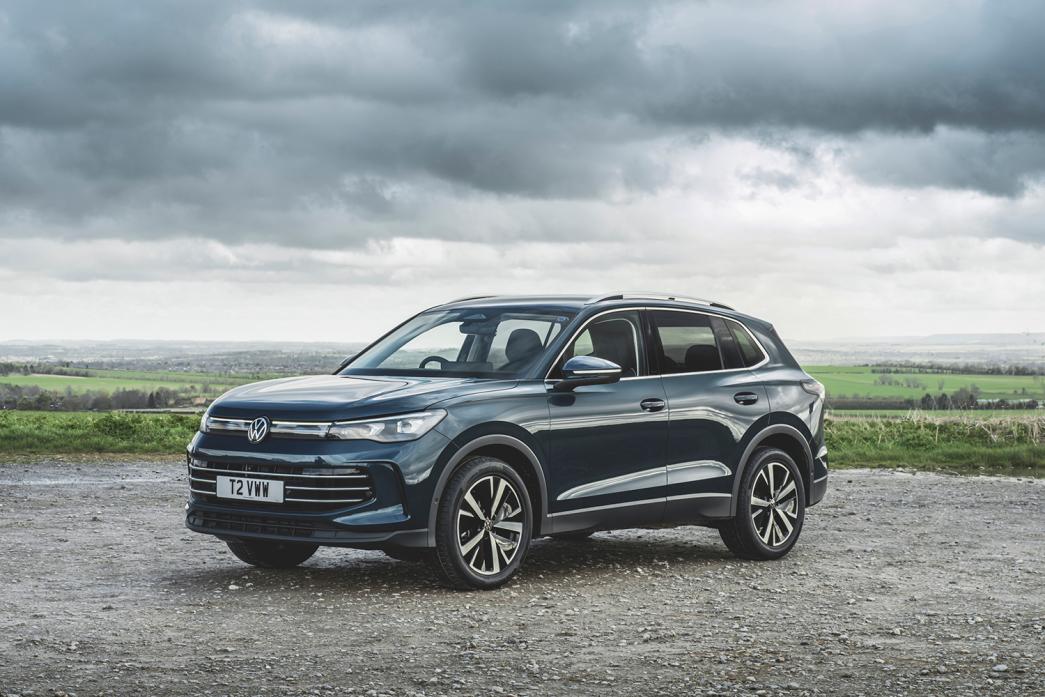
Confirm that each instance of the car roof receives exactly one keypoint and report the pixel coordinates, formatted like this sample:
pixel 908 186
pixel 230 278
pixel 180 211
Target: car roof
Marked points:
pixel 579 303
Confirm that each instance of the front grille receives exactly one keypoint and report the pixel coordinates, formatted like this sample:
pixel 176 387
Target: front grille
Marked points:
pixel 257 525
pixel 304 488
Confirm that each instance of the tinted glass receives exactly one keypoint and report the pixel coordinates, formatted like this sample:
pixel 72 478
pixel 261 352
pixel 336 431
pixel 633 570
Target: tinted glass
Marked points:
pixel 488 342
pixel 616 337
pixel 687 342
pixel 748 349
pixel 728 345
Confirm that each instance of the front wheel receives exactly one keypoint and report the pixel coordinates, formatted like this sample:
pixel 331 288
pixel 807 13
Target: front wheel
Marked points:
pixel 483 525
pixel 770 509
pixel 268 554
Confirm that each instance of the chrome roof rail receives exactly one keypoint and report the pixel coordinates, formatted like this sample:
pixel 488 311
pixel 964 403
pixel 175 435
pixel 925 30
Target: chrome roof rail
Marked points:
pixel 655 296
pixel 467 297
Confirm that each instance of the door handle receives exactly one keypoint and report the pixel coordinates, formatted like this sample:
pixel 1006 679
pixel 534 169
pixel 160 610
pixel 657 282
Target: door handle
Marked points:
pixel 652 404
pixel 745 398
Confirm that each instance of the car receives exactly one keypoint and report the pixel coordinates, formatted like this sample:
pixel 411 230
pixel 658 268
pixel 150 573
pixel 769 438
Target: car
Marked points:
pixel 478 425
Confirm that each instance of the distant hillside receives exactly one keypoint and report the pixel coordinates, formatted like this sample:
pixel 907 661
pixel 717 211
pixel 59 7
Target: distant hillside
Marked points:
pixel 1005 349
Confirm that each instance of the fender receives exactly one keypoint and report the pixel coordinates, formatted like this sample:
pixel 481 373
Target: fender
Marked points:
pixel 773 430
pixel 470 447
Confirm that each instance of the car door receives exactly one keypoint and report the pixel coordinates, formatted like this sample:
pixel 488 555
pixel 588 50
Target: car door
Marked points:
pixel 712 401
pixel 607 443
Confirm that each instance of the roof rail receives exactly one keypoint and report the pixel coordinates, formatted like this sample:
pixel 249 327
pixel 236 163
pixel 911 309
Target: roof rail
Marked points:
pixel 467 297
pixel 656 296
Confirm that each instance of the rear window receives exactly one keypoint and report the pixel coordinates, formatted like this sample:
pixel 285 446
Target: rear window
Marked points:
pixel 687 342
pixel 750 351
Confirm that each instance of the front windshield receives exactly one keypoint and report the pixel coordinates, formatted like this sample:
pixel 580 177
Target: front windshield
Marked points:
pixel 489 342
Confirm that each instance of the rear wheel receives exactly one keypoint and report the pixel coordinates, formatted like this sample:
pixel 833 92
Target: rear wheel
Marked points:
pixel 770 509
pixel 482 526
pixel 268 554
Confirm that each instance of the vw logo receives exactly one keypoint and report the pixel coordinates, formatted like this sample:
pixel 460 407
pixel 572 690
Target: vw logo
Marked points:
pixel 258 429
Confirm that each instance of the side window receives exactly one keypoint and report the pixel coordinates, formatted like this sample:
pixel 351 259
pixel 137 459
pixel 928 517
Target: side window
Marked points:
pixel 749 350
pixel 616 337
pixel 727 343
pixel 687 342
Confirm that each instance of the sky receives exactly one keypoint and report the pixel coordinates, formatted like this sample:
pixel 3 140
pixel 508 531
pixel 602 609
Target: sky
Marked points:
pixel 320 171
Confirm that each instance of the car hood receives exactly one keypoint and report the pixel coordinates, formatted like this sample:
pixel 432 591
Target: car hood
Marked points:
pixel 340 397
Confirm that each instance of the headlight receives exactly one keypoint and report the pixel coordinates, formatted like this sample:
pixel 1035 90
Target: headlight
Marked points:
pixel 390 430
pixel 203 423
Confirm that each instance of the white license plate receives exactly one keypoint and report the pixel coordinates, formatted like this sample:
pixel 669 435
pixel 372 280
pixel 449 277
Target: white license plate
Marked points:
pixel 250 489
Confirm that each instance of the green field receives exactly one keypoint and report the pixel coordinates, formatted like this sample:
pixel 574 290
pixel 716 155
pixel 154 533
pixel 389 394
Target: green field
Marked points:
pixel 1013 446
pixel 112 380
pixel 859 381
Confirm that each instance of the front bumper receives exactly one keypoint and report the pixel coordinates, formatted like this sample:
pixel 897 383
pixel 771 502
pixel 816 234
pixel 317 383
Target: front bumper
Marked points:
pixel 389 503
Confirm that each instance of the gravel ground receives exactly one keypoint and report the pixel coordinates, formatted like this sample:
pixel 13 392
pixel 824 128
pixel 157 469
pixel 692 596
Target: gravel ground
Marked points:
pixel 901 584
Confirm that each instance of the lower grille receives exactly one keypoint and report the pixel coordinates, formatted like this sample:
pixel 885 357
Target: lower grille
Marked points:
pixel 308 489
pixel 257 525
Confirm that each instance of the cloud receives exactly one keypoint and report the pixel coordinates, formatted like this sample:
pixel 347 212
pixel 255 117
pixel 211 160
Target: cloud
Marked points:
pixel 277 144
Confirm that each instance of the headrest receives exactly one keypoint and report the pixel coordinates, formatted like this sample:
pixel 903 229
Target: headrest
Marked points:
pixel 702 358
pixel 522 344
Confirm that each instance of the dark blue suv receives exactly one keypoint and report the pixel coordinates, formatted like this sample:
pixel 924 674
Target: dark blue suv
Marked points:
pixel 478 425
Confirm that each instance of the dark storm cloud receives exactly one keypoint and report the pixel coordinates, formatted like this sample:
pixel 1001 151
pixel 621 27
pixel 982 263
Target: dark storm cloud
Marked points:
pixel 266 120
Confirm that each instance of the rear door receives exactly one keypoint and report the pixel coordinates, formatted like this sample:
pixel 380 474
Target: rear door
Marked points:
pixel 608 443
pixel 713 399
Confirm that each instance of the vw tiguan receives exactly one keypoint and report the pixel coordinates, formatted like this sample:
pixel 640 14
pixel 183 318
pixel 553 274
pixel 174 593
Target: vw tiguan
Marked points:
pixel 478 425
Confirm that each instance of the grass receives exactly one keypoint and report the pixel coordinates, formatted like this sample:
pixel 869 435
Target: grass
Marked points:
pixel 945 414
pixel 112 380
pixel 45 433
pixel 1014 445
pixel 859 381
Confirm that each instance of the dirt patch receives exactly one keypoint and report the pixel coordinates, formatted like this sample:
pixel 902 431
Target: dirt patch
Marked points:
pixel 901 584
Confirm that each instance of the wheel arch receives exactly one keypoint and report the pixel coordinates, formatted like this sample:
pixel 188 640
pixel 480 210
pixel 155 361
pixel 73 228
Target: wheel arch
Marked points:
pixel 784 437
pixel 518 455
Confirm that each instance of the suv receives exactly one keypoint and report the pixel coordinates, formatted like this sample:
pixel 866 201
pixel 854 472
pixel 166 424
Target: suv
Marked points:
pixel 478 425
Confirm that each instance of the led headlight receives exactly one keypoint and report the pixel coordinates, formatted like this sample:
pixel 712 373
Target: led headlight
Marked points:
pixel 390 430
pixel 204 426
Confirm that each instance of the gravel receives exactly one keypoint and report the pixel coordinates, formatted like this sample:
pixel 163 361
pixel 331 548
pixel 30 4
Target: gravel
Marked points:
pixel 901 584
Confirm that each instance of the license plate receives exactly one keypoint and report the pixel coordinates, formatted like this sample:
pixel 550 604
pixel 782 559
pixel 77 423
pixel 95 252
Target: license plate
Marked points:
pixel 250 489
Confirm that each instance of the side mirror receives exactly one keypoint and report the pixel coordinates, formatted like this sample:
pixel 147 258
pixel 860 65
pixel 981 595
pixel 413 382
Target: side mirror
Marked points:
pixel 587 370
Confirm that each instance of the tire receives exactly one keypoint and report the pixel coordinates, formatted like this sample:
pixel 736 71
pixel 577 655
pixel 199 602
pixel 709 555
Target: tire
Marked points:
pixel 575 536
pixel 407 554
pixel 767 504
pixel 269 554
pixel 483 525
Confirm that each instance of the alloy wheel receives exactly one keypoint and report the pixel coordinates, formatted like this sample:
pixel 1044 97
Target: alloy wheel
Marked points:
pixel 490 524
pixel 774 504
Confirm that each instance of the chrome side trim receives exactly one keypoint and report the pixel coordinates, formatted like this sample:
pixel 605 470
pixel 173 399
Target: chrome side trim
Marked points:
pixel 820 479
pixel 710 495
pixel 822 452
pixel 695 471
pixel 608 506
pixel 615 485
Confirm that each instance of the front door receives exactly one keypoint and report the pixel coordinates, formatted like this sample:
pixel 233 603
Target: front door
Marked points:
pixel 607 444
pixel 713 399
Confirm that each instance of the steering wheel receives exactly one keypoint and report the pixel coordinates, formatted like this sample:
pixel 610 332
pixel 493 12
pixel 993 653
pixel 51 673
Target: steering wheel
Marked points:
pixel 443 362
